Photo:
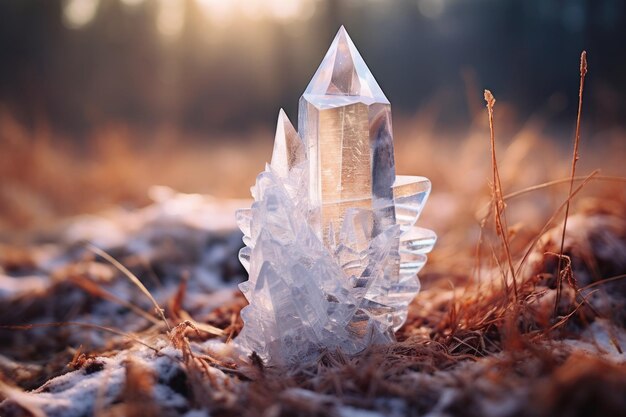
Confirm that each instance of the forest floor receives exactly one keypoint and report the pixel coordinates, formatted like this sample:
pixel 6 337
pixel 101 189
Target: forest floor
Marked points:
pixel 497 330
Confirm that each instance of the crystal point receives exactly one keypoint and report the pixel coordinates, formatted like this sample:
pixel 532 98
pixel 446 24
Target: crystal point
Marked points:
pixel 343 72
pixel 288 147
pixel 332 249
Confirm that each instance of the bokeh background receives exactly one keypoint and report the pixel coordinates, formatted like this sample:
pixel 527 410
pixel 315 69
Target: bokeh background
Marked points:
pixel 99 99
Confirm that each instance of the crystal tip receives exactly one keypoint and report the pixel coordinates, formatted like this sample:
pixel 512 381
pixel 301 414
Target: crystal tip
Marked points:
pixel 343 72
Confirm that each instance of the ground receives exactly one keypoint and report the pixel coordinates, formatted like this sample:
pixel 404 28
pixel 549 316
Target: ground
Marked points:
pixel 80 337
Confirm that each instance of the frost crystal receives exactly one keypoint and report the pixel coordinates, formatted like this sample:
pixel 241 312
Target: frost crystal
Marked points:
pixel 331 247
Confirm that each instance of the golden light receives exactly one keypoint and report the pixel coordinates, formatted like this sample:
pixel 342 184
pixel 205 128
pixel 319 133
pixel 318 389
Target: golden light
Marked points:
pixel 171 14
pixel 253 9
pixel 222 12
pixel 219 11
pixel 79 13
pixel 171 18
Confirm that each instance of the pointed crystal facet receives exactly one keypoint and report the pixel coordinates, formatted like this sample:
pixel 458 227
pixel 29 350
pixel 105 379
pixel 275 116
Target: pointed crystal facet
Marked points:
pixel 343 73
pixel 332 249
pixel 288 148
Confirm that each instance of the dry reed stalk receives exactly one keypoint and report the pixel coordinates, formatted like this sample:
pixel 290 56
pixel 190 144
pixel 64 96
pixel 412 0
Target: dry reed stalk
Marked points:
pixel 498 200
pixel 575 157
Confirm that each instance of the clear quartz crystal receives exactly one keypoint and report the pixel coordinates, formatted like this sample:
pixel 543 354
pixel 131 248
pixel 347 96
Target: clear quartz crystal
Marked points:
pixel 332 249
pixel 345 122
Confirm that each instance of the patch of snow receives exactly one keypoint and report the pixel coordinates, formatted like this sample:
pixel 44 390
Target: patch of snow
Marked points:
pixel 17 286
pixel 74 394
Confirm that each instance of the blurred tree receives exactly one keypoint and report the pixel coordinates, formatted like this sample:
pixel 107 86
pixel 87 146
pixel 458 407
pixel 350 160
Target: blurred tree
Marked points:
pixel 218 71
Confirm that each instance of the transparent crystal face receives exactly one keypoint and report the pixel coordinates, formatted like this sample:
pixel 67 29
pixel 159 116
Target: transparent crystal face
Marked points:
pixel 332 249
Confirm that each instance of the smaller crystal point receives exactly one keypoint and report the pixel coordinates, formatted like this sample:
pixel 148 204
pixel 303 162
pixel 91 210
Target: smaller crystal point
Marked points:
pixel 288 147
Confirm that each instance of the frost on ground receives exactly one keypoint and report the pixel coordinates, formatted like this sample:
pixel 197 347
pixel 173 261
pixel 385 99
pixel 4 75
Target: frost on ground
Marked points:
pixel 77 338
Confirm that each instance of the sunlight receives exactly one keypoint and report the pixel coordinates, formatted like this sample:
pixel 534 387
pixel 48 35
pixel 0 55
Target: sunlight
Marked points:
pixel 79 13
pixel 253 9
pixel 170 14
pixel 222 12
pixel 171 18
pixel 219 11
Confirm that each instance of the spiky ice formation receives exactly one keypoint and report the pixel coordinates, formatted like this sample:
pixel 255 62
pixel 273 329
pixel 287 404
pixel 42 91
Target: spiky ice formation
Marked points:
pixel 332 250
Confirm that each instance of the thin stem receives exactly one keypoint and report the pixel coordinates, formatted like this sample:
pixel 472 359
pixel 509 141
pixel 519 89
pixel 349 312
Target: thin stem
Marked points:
pixel 575 157
pixel 498 201
pixel 132 278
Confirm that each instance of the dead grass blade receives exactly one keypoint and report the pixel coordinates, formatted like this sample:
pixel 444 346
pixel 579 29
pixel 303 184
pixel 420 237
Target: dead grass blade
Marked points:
pixel 604 281
pixel 96 290
pixel 132 279
pixel 575 157
pixel 561 181
pixel 498 202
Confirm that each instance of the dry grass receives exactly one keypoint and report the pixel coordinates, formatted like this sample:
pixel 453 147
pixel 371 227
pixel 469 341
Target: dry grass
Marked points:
pixel 503 291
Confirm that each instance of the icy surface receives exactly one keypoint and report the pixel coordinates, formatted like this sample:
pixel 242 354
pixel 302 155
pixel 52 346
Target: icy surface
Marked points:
pixel 332 250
